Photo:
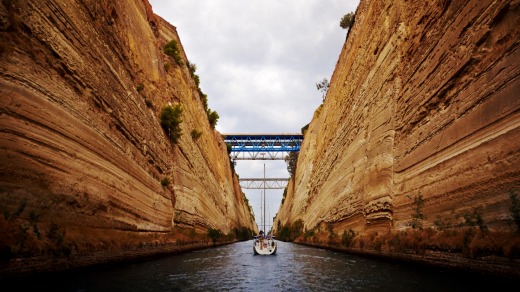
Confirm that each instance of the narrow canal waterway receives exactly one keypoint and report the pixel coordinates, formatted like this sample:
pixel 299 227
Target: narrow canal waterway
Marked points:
pixel 234 267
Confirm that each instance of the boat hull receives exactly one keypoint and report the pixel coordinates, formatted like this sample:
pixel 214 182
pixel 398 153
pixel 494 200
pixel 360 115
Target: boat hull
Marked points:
pixel 266 247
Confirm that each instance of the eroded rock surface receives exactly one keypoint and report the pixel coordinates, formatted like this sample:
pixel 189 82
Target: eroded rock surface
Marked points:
pixel 82 150
pixel 424 102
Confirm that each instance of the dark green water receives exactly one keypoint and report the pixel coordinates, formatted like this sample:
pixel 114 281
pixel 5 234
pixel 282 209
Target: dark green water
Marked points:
pixel 235 268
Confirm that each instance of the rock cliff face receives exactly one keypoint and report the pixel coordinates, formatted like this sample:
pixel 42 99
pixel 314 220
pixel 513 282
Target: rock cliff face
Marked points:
pixel 82 150
pixel 421 121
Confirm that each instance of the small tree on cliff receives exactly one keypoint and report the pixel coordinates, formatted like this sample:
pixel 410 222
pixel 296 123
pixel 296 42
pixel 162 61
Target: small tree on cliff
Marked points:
pixel 171 121
pixel 323 86
pixel 347 20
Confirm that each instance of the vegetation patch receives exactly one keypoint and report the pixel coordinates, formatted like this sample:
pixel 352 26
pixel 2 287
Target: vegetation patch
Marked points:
pixel 212 115
pixel 195 134
pixel 347 20
pixel 165 182
pixel 418 216
pixel 171 121
pixel 465 233
pixel 213 118
pixel 23 235
pixel 214 234
pixel 172 49
pixel 167 66
pixel 290 232
pixel 347 238
pixel 242 233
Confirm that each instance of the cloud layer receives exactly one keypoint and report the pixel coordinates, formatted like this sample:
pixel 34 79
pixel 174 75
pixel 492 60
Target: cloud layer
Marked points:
pixel 259 62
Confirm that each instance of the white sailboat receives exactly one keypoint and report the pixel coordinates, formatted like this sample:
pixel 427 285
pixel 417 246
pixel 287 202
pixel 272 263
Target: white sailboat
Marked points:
pixel 264 244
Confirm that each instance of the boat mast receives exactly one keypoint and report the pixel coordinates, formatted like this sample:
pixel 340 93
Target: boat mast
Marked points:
pixel 265 231
pixel 261 211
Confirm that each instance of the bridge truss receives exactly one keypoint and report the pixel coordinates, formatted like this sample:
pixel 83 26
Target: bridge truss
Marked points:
pixel 262 146
pixel 263 183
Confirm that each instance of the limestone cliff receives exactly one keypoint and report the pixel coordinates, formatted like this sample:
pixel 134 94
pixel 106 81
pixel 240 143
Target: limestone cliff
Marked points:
pixel 420 126
pixel 82 150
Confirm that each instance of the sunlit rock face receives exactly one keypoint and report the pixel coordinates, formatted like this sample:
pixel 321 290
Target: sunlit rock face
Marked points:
pixel 424 102
pixel 82 149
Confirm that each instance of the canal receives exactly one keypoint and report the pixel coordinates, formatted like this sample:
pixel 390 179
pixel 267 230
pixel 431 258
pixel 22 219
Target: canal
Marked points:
pixel 234 267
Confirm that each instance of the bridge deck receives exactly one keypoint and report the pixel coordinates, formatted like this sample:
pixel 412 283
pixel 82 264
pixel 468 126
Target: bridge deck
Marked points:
pixel 264 142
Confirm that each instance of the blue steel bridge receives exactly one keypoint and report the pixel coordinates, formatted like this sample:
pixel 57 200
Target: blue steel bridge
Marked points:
pixel 262 146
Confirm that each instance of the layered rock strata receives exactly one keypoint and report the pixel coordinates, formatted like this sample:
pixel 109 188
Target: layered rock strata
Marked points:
pixel 82 150
pixel 423 106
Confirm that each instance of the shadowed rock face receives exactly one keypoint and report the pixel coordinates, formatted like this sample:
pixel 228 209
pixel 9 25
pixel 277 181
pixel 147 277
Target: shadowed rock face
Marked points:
pixel 424 102
pixel 81 147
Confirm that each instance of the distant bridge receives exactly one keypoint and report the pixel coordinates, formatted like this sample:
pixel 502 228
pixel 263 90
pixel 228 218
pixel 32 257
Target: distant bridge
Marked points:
pixel 262 146
pixel 263 183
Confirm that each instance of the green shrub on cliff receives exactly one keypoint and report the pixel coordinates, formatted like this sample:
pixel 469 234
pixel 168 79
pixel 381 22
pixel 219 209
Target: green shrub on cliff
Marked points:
pixel 170 122
pixel 214 234
pixel 192 67
pixel 475 219
pixel 242 233
pixel 418 216
pixel 347 238
pixel 172 49
pixel 195 134
pixel 332 234
pixel 204 99
pixel 212 115
pixel 165 182
pixel 289 232
pixel 213 118
pixel 347 20
pixel 167 66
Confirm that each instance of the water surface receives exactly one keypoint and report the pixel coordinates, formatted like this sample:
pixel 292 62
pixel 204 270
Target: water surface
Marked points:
pixel 295 267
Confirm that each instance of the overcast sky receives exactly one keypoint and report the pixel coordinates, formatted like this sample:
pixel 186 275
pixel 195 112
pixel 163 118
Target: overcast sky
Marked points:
pixel 259 62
